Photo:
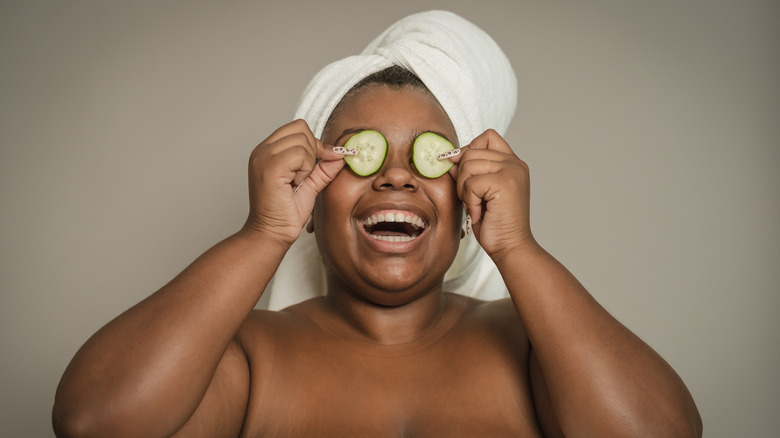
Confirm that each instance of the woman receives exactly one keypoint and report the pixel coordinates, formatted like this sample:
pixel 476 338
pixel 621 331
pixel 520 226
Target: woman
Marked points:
pixel 388 351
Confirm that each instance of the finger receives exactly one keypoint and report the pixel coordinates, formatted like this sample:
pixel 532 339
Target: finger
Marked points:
pixel 302 159
pixel 322 174
pixel 478 154
pixel 475 167
pixel 296 126
pixel 298 164
pixel 475 191
pixel 296 133
pixel 490 139
pixel 486 154
pixel 333 153
pixel 281 160
pixel 455 156
pixel 330 160
pixel 293 140
pixel 478 193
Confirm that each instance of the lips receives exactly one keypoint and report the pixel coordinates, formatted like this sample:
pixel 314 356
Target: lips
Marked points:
pixel 394 226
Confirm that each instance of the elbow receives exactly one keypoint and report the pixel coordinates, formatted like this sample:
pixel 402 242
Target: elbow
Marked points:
pixel 68 425
pixel 694 426
pixel 686 424
pixel 72 421
pixel 671 428
pixel 685 429
pixel 688 421
pixel 673 421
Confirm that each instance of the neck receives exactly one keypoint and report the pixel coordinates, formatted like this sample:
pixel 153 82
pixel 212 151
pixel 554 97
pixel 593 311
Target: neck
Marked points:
pixel 388 325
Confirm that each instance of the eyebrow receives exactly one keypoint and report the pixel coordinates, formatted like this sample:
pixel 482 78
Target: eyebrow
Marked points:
pixel 413 136
pixel 350 131
pixel 440 134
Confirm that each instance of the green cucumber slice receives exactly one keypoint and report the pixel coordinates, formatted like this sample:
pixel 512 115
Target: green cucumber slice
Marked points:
pixel 425 155
pixel 372 151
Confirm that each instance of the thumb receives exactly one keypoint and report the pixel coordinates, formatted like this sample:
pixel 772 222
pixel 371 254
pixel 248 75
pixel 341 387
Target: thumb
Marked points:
pixel 327 168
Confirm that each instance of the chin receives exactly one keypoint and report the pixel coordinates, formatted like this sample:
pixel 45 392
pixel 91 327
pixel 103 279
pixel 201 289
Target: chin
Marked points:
pixel 397 298
pixel 400 287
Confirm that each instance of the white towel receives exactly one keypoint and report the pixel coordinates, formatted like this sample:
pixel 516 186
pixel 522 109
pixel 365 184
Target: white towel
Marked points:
pixel 473 81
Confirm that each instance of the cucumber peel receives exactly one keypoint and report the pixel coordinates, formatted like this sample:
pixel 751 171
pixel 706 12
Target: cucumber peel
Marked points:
pixel 425 155
pixel 372 151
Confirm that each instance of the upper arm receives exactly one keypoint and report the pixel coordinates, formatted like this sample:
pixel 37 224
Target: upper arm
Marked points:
pixel 544 409
pixel 222 410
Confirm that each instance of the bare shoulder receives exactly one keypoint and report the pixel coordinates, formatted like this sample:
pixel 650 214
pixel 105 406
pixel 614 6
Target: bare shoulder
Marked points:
pixel 498 316
pixel 490 328
pixel 292 328
pixel 264 328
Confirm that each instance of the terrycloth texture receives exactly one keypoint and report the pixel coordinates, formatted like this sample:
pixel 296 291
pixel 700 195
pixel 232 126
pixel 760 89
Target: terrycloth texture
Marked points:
pixel 461 65
pixel 473 81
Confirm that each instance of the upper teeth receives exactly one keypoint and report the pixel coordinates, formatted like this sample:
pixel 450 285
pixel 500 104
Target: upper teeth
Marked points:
pixel 394 217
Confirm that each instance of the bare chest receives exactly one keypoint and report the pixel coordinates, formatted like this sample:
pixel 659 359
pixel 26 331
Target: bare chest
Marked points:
pixel 458 387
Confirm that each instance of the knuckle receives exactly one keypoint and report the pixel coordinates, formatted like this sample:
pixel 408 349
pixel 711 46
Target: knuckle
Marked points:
pixel 300 138
pixel 257 155
pixel 300 124
pixel 466 166
pixel 469 184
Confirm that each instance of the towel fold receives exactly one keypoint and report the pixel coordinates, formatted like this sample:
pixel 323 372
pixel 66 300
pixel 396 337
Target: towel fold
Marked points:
pixel 473 81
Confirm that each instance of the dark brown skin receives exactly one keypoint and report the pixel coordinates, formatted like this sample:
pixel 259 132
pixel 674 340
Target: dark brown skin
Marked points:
pixel 387 352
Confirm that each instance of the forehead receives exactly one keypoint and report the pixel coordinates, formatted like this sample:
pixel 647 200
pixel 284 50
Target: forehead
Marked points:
pixel 390 110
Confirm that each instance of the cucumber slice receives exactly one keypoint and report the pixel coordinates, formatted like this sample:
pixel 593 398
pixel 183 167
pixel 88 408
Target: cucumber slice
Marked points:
pixel 372 151
pixel 425 152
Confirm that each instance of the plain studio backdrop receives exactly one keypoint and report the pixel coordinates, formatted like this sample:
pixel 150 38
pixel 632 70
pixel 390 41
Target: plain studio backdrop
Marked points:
pixel 651 129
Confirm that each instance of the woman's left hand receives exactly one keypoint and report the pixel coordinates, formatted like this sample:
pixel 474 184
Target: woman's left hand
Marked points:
pixel 494 185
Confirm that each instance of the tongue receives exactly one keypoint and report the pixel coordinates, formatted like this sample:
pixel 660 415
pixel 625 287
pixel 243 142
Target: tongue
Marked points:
pixel 390 229
pixel 388 233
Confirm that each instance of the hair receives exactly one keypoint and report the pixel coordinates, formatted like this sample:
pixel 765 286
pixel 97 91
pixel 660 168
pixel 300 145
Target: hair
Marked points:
pixel 395 77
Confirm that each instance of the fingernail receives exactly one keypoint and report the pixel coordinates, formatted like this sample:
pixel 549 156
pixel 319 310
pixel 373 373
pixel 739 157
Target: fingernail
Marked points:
pixel 449 154
pixel 297 187
pixel 344 151
pixel 468 224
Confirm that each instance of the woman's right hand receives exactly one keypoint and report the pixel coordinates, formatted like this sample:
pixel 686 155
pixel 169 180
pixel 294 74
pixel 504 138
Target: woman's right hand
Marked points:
pixel 286 172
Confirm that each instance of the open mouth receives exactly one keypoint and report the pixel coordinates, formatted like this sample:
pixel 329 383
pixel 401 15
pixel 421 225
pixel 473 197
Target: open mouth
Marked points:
pixel 394 226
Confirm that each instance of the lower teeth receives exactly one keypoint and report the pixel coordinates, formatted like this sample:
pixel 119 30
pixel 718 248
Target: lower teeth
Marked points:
pixel 393 238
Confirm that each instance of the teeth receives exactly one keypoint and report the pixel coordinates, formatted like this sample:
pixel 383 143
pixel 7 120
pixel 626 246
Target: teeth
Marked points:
pixel 394 217
pixel 393 238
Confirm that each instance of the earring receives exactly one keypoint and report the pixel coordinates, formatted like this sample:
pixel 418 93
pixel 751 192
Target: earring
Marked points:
pixel 467 225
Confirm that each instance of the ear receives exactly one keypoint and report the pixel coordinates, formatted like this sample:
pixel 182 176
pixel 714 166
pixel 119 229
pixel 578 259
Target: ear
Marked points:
pixel 310 225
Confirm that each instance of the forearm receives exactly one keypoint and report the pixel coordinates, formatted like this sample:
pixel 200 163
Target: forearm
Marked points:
pixel 601 377
pixel 154 362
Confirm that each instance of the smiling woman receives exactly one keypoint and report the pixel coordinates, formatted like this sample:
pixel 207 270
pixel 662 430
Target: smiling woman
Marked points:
pixel 389 350
pixel 386 256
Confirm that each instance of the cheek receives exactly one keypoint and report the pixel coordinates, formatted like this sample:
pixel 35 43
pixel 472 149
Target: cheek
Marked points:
pixel 450 208
pixel 336 200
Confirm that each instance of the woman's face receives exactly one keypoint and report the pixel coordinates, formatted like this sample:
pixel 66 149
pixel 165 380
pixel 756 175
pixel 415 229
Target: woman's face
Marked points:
pixel 368 259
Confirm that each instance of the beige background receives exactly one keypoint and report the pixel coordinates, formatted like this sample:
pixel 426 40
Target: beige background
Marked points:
pixel 651 128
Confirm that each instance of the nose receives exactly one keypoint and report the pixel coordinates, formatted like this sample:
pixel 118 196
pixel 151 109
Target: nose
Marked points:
pixel 396 174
